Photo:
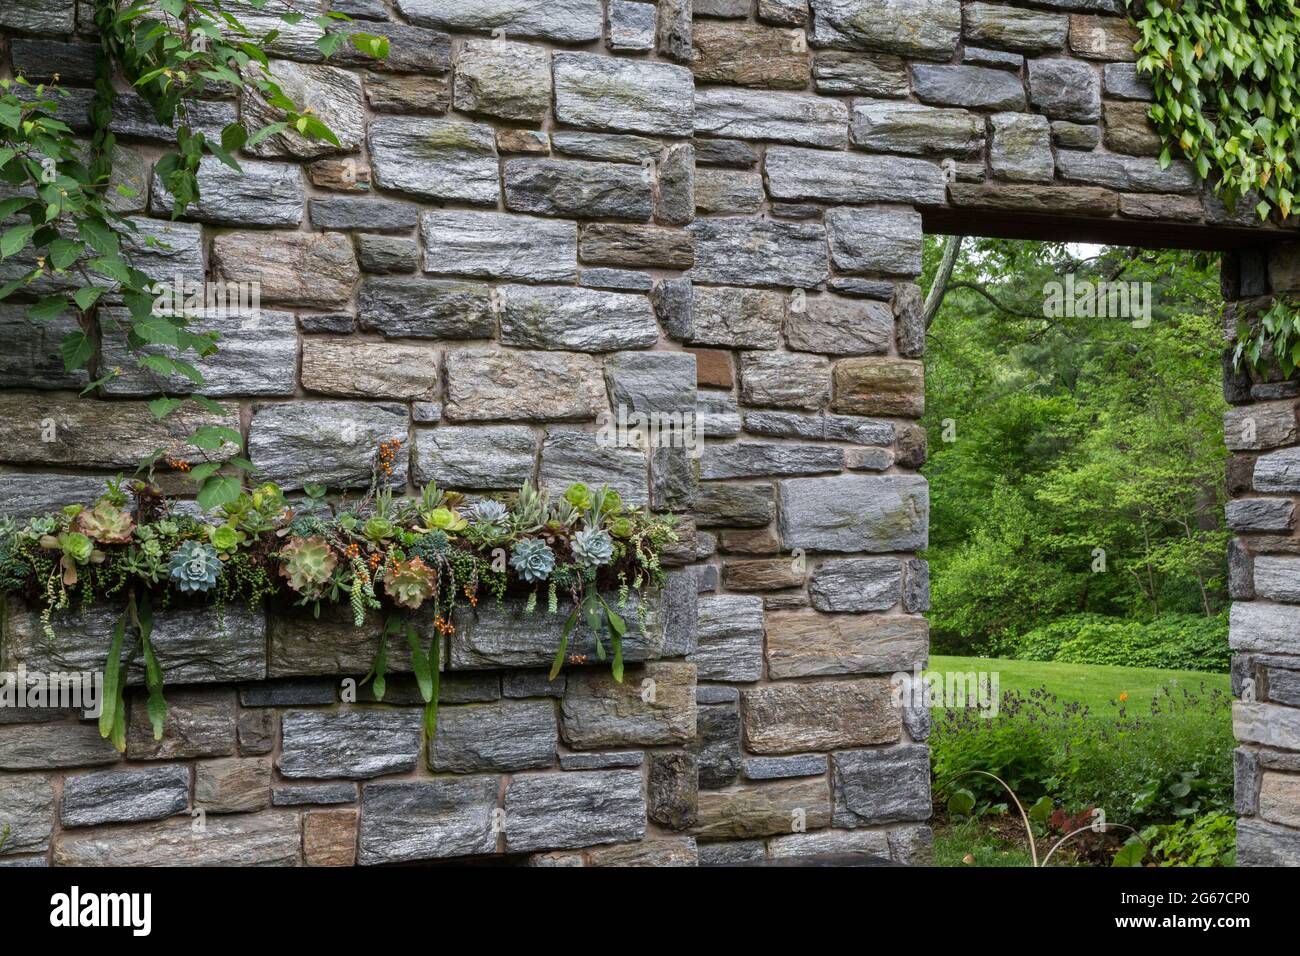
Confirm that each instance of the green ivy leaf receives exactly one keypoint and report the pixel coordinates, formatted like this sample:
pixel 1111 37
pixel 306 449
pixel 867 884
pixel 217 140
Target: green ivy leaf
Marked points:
pixel 218 490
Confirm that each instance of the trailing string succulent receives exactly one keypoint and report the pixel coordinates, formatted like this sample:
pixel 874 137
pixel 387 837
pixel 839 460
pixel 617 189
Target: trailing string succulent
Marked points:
pixel 423 563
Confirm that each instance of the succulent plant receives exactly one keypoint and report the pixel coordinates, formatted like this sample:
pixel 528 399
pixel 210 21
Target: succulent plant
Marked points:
pixel 593 547
pixel 106 524
pixel 621 527
pixel 490 517
pixel 578 495
pixel 445 520
pixel 409 583
pixel 378 530
pixel 431 546
pixel 308 564
pixel 532 559
pixel 194 566
pixel 530 509
pixel 563 514
pixel 76 549
pixel 226 539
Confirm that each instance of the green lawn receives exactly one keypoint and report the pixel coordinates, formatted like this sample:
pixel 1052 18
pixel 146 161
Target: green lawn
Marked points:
pixel 1096 685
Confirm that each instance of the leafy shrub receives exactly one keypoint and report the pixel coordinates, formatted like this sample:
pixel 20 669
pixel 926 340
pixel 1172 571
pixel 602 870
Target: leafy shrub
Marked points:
pixel 1207 840
pixel 1168 760
pixel 1172 641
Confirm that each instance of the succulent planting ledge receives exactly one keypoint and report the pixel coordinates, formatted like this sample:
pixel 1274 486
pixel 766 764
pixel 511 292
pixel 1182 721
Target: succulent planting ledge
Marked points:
pixel 414 560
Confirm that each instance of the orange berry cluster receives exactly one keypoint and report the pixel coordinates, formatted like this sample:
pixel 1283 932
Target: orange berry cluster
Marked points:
pixel 387 453
pixel 375 559
pixel 177 464
pixel 577 658
pixel 473 598
pixel 443 626
pixel 353 550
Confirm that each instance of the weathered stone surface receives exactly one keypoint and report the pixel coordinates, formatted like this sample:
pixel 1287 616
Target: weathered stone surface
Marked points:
pixel 195 645
pixel 597 711
pixel 780 117
pixel 427 819
pixel 863 431
pixel 631 26
pixel 292 268
pixel 866 74
pixel 510 80
pixel 728 192
pixel 1010 28
pixel 855 513
pixel 616 244
pixel 1160 206
pixel 302 644
pixel 411 49
pixel 576 456
pixel 881 786
pixel 717 744
pixel 923 28
pixel 1277 578
pixel 39 16
pixel 732 853
pixel 257 355
pixel 257 731
pixel 1133 173
pixel 731 153
pixel 1263 844
pixel 675 187
pixel 349 368
pixel 497 245
pixel 673 789
pixel 426 308
pixel 680 851
pixel 976 87
pixel 564 21
pixel 759 252
pixel 333 95
pixel 1261 514
pixel 611 147
pixel 1269 725
pixel 1054 200
pixel 1278 471
pixel 734 505
pixel 533 142
pixel 1103 38
pixel 730 639
pixel 782 768
pixel 387 254
pixel 46 746
pixel 819 715
pixel 851 177
pixel 353 744
pixel 200 723
pixel 557 187
pixel 260 194
pixel 748 54
pixel 395 93
pixel 233 784
pixel 533 386
pixel 673 30
pixel 856 584
pixel 1021 147
pixel 872 845
pixel 600 92
pixel 1123 82
pixel 651 382
pixel 763 810
pixel 1279 798
pixel 328 442
pixel 784 380
pixel 581 320
pixel 559 810
pixel 1065 89
pixel 29 351
pixel 435 159
pixel 329 838
pixel 602 760
pixel 264 839
pixel 731 317
pixel 1069 135
pixel 718 413
pixel 617 280
pixel 93 434
pixel 364 212
pixel 504 736
pixel 893 127
pixel 28 801
pixel 880 386
pixel 881 240
pixel 475 458
pixel 1260 426
pixel 1129 130
pixel 916 585
pixel 807 644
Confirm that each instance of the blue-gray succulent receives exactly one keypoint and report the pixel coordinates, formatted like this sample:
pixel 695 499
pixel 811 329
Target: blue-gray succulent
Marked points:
pixel 532 559
pixel 194 566
pixel 490 517
pixel 593 547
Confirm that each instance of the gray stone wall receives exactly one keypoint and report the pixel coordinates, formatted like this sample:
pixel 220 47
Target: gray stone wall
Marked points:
pixel 543 213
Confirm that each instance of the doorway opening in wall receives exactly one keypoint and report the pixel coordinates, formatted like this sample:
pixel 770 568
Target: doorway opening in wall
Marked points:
pixel 1075 409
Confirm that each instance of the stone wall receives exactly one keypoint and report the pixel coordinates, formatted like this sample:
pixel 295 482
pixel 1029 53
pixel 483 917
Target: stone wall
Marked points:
pixel 543 213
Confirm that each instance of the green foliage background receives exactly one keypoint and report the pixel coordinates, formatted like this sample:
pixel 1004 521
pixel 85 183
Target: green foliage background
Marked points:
pixel 1069 435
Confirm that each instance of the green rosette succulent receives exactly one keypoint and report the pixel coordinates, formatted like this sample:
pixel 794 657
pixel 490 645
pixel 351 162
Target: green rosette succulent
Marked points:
pixel 578 495
pixel 194 567
pixel 593 547
pixel 106 524
pixel 225 539
pixel 308 564
pixel 532 560
pixel 378 530
pixel 446 520
pixel 409 583
pixel 76 551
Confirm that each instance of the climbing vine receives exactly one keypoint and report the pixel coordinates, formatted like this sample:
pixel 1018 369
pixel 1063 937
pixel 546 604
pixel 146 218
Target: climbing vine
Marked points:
pixel 66 248
pixel 1224 75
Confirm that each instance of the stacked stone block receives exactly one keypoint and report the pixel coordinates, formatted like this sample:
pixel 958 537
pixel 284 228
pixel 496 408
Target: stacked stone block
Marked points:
pixel 542 214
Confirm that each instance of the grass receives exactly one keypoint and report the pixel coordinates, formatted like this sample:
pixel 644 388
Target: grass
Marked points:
pixel 1097 685
pixel 977 843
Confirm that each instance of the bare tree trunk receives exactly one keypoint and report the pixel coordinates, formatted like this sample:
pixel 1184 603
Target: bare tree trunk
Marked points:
pixel 939 288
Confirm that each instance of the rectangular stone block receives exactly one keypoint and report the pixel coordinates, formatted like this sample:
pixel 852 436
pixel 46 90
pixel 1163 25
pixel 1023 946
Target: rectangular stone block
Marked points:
pixel 578 320
pixel 880 386
pixel 1260 627
pixel 265 839
pixel 353 744
pixel 598 711
pixel 494 456
pixel 855 513
pixel 505 736
pixel 882 240
pixel 578 190
pixel 28 801
pixel 555 811
pixel 233 784
pixel 796 174
pixel 608 93
pixel 333 443
pixel 47 746
pixel 329 838
pixel 498 245
pixel 881 786
pixel 794 118
pixel 763 810
pixel 426 308
pixel 292 268
pixel 570 456
pixel 819 715
pixel 856 584
pixel 1269 725
pixel 730 639
pixel 427 819
pixel 564 21
pixel 760 252
pixel 1279 798
pixel 356 368
pixel 200 723
pixel 927 29
pixel 807 644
